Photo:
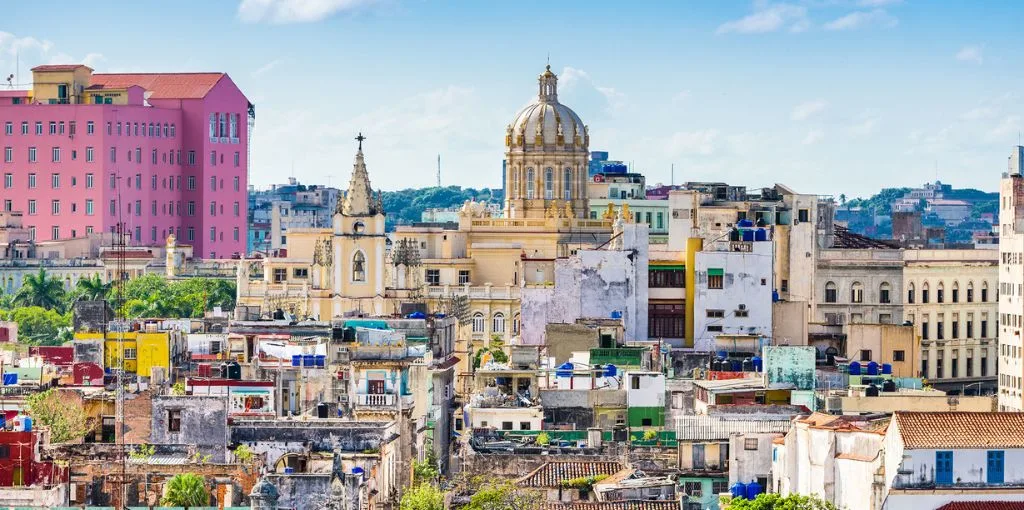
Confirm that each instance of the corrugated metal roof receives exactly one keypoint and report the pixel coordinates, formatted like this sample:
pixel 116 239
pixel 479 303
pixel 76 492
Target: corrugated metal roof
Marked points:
pixel 614 505
pixel 701 427
pixel 551 474
pixel 162 459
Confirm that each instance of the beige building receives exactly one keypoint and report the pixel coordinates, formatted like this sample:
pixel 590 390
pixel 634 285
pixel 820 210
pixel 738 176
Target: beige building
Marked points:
pixel 1011 285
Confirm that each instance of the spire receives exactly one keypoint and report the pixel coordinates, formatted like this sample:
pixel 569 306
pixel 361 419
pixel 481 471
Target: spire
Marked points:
pixel 358 199
pixel 548 92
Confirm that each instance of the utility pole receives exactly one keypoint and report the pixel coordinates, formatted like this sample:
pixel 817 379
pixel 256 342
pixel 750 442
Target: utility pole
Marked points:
pixel 438 170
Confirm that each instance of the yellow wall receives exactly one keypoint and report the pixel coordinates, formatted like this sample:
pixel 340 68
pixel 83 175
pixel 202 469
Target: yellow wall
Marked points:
pixel 693 245
pixel 151 350
pixel 44 84
pixel 113 351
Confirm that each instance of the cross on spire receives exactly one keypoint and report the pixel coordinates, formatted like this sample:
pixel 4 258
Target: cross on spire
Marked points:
pixel 360 138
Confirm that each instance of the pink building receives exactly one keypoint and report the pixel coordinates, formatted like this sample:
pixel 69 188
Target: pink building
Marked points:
pixel 157 153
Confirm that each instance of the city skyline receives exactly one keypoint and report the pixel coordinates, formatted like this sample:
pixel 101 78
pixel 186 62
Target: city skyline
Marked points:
pixel 657 85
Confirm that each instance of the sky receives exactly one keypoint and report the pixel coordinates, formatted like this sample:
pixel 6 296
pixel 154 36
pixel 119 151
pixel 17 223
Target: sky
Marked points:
pixel 826 96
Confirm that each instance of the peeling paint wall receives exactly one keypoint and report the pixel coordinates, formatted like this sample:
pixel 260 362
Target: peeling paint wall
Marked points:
pixel 790 364
pixel 746 281
pixel 202 422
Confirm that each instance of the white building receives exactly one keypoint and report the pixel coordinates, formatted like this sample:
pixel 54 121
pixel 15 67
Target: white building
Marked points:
pixel 1011 285
pixel 733 295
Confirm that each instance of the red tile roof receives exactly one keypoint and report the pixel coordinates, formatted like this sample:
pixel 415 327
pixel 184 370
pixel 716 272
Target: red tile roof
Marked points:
pixel 960 430
pixel 613 505
pixel 983 505
pixel 552 474
pixel 59 67
pixel 163 85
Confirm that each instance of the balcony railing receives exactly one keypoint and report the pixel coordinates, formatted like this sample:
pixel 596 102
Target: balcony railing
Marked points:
pixel 376 400
pixel 474 292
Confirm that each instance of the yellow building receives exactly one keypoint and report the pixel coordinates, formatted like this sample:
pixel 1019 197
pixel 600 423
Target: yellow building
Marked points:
pixel 141 350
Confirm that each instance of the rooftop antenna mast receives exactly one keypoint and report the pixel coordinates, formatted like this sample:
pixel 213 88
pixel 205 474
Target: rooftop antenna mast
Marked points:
pixel 438 170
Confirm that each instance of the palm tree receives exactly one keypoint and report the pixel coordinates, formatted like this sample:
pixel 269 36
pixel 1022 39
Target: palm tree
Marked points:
pixel 40 290
pixel 186 490
pixel 93 289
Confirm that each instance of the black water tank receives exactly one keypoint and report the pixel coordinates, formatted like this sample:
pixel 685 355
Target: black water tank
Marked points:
pixel 872 391
pixel 889 386
pixel 234 371
pixel 716 365
pixel 224 371
pixel 322 410
pixel 748 365
pixel 349 335
pixel 278 314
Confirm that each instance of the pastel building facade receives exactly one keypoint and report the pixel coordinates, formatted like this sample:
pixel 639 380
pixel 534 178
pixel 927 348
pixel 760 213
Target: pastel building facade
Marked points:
pixel 155 154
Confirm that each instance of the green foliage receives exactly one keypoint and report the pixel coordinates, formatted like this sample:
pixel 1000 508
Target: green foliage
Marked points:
pixel 425 470
pixel 881 203
pixel 543 439
pixel 41 290
pixel 66 420
pixel 92 289
pixel 153 296
pixel 406 206
pixel 777 502
pixel 424 496
pixel 179 389
pixel 584 483
pixel 503 496
pixel 497 354
pixel 142 451
pixel 650 435
pixel 186 490
pixel 243 454
pixel 39 326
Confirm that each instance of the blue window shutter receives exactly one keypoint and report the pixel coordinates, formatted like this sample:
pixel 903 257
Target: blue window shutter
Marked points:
pixel 995 467
pixel 944 468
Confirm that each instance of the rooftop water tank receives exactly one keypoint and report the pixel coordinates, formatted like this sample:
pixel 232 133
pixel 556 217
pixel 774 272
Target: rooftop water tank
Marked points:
pixel 296 360
pixel 872 391
pixel 886 369
pixel 872 368
pixel 564 370
pixel 760 235
pixel 736 365
pixel 748 365
pixel 758 364
pixel 744 223
pixel 235 371
pixel 753 489
pixel 748 235
pixel 611 370
pixel 889 386
pixel 854 368
pixel 322 410
pixel 716 365
pixel 320 360
pixel 738 490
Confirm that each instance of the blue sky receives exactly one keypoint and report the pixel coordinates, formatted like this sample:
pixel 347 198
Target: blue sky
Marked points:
pixel 826 96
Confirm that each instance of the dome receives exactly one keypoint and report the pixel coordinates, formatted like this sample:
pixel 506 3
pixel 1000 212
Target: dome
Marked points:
pixel 554 123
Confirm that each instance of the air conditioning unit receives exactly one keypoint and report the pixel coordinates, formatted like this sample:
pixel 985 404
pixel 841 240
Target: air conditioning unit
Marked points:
pixel 834 404
pixel 343 399
pixel 743 307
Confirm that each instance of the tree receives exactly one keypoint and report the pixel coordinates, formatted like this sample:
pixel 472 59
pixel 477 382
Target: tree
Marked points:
pixel 93 289
pixel 503 496
pixel 842 199
pixel 40 290
pixel 425 470
pixel 425 496
pixel 39 326
pixel 66 419
pixel 777 502
pixel 186 490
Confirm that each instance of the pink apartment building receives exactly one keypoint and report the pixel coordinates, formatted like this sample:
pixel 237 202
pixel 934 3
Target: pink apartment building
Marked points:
pixel 156 153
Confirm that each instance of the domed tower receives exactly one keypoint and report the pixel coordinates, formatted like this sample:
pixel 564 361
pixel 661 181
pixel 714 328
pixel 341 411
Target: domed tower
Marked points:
pixel 546 153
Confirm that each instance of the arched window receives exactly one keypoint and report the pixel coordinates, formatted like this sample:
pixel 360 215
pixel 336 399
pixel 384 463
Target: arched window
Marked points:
pixel 910 293
pixel 515 324
pixel 956 292
pixel 984 292
pixel 830 292
pixel 970 292
pixel 514 192
pixel 883 293
pixel 940 293
pixel 498 323
pixel 856 293
pixel 924 292
pixel 478 322
pixel 531 182
pixel 359 267
pixel 549 183
pixel 567 184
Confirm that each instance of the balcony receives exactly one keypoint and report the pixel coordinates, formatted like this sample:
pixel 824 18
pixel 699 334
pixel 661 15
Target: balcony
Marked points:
pixel 382 400
pixel 473 292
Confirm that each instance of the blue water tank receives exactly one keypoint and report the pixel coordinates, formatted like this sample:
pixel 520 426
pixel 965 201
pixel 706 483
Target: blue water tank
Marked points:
pixel 10 379
pixel 744 223
pixel 886 368
pixel 610 370
pixel 758 364
pixel 760 235
pixel 297 360
pixel 872 368
pixel 321 360
pixel 28 423
pixel 775 296
pixel 748 235
pixel 738 490
pixel 616 314
pixel 416 315
pixel 855 368
pixel 564 370
pixel 308 360
pixel 357 471
pixel 289 470
pixel 753 489
pixel 723 354
pixel 736 365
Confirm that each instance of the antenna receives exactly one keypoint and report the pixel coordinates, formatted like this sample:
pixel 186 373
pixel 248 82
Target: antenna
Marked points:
pixel 673 181
pixel 438 170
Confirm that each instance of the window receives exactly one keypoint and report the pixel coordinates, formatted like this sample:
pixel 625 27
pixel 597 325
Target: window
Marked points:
pixel 956 292
pixel 235 183
pixel 155 157
pixel 213 157
pixel 984 333
pixel 716 314
pixel 8 205
pixel 174 420
pixel 549 183
pixel 90 127
pixel 190 182
pixel 750 443
pixel 9 128
pixel 865 354
pixel 463 276
pixel 113 154
pixel 940 293
pixel 830 292
pixel 883 293
pixel 280 274
pixel 661 278
pixel 719 486
pixel 213 234
pixel 88 207
pixel 498 323
pixel 236 207
pixel 300 272
pixel 970 292
pixel 666 320
pixel 898 355
pixel 213 183
pixel 984 292
pixel 31 206
pixel 55 207
pixel 995 467
pixel 515 324
pixel 31 154
pixel 924 330
pixel 857 293
pixel 39 127
pixel 910 293
pixel 924 293
pixel 31 180
pixel 191 208
pixel 55 181
pixel 53 127
pixel 8 181
pixel 693 489
pixel 530 183
pixel 359 267
pixel 433 276
pixel 24 128
pixel 567 184
pixel 478 322
pixel 716 278
pixel 237 159
pixel 804 215
pixel 8 154
pixel 55 232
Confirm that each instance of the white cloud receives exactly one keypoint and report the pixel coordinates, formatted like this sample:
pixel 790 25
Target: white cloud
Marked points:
pixel 863 19
pixel 808 109
pixel 1008 127
pixel 865 124
pixel 265 68
pixel 585 92
pixel 768 18
pixel 681 97
pixel 294 11
pixel 813 137
pixel 702 142
pixel 970 53
pixel 979 113
pixel 12 44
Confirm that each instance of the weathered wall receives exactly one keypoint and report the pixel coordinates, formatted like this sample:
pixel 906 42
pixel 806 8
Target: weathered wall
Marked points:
pixel 564 339
pixel 789 322
pixel 276 438
pixel 790 364
pixel 203 423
